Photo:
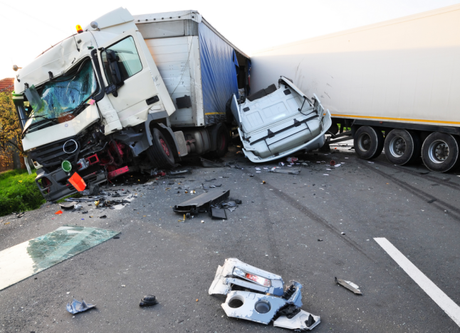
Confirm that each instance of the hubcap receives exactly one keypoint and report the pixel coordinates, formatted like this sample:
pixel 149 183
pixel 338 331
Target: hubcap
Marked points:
pixel 438 151
pixel 397 146
pixel 364 142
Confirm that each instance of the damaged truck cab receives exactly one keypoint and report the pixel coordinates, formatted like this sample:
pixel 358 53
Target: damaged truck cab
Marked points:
pixel 96 103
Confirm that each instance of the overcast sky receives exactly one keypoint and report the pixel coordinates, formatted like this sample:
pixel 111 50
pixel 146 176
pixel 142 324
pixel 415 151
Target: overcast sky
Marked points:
pixel 30 27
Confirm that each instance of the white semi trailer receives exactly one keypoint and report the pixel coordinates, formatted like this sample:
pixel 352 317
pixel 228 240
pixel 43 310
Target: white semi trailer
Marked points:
pixel 395 83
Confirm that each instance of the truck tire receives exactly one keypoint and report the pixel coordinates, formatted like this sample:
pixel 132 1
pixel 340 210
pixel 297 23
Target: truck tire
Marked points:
pixel 402 147
pixel 160 153
pixel 440 152
pixel 220 134
pixel 368 142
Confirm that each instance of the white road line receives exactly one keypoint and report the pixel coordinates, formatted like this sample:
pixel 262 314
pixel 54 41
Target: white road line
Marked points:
pixel 444 301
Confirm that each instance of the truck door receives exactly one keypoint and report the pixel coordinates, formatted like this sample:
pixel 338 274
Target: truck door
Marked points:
pixel 133 83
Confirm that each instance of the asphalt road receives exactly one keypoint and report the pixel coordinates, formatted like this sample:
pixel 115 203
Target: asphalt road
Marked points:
pixel 310 227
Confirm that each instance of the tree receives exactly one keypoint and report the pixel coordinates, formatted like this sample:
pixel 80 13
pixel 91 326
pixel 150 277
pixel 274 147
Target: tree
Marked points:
pixel 10 131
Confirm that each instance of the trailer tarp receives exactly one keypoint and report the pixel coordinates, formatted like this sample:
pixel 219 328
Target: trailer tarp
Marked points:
pixel 218 74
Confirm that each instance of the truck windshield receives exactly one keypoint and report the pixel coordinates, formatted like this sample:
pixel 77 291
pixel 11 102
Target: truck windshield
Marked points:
pixel 62 98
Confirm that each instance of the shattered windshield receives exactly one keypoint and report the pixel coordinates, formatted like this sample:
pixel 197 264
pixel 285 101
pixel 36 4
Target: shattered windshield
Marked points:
pixel 59 99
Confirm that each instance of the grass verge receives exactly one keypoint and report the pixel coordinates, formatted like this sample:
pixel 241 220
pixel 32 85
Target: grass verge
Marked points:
pixel 18 192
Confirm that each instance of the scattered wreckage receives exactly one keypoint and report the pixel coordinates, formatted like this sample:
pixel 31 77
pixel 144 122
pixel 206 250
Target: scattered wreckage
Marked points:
pixel 276 122
pixel 257 295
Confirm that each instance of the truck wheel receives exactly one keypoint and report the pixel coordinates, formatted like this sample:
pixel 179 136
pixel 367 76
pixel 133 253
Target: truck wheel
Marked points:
pixel 220 134
pixel 160 152
pixel 440 152
pixel 402 147
pixel 368 142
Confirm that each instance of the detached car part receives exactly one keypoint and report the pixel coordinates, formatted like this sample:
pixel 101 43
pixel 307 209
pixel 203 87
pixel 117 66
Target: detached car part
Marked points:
pixel 264 299
pixel 201 203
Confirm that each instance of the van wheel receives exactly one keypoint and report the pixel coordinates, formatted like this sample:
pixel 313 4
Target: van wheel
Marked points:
pixel 402 147
pixel 440 152
pixel 160 152
pixel 368 142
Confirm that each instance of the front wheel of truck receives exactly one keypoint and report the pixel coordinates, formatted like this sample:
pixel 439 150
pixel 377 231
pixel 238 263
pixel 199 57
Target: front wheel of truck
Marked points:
pixel 160 153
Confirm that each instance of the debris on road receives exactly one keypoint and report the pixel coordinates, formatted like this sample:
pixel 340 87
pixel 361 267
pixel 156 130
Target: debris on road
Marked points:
pixel 202 203
pixel 349 285
pixel 31 257
pixel 68 206
pixel 262 291
pixel 148 300
pixel 77 307
pixel 290 171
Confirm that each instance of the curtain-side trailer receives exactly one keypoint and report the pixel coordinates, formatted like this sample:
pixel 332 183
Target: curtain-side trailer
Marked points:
pixel 396 84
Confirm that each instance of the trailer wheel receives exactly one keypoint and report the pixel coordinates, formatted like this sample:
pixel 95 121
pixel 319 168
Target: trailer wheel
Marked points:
pixel 368 142
pixel 440 152
pixel 402 147
pixel 160 152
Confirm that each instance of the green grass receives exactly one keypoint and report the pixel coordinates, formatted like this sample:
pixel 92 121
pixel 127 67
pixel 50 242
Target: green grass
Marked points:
pixel 18 192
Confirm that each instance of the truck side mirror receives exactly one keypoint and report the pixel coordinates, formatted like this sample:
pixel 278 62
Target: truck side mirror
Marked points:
pixel 115 73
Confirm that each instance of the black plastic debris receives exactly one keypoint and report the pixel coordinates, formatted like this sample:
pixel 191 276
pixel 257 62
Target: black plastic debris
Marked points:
pixel 148 300
pixel 218 213
pixel 103 217
pixel 210 164
pixel 77 307
pixel 202 203
pixel 349 285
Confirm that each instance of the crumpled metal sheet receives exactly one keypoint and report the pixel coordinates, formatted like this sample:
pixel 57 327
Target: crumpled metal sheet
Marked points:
pixel 236 272
pixel 255 307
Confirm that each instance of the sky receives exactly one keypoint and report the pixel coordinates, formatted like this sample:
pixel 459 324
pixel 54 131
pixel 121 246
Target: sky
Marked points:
pixel 30 27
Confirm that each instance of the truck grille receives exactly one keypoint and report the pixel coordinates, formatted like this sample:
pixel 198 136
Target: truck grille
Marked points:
pixel 53 154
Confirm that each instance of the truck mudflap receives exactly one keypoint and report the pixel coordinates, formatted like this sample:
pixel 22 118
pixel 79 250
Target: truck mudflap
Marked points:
pixel 274 123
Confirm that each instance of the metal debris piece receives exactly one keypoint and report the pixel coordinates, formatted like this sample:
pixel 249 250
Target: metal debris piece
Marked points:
pixel 236 272
pixel 202 203
pixel 290 171
pixel 69 206
pixel 302 321
pixel 241 304
pixel 349 285
pixel 148 300
pixel 77 307
pixel 260 296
